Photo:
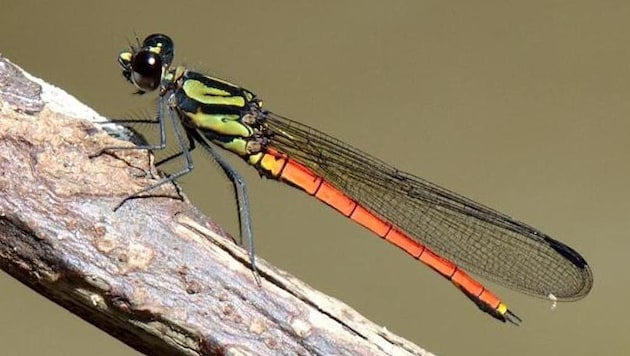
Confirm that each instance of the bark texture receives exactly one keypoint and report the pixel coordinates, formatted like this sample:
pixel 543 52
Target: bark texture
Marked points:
pixel 156 274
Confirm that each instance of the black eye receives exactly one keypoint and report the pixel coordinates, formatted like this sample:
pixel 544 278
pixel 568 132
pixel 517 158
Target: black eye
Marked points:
pixel 162 44
pixel 146 70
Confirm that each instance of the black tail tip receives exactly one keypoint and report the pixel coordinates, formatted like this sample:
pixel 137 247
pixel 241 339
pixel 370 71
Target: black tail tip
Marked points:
pixel 512 318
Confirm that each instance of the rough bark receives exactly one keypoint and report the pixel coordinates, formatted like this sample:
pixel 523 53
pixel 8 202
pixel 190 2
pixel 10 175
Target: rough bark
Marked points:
pixel 156 274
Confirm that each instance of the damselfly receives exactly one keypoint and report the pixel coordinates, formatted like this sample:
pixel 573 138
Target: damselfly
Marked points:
pixel 432 224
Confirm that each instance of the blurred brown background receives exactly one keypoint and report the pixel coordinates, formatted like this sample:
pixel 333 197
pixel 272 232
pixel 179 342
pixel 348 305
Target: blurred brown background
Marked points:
pixel 523 106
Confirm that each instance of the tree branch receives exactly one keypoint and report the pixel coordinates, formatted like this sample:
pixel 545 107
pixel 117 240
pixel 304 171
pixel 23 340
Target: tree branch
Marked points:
pixel 156 274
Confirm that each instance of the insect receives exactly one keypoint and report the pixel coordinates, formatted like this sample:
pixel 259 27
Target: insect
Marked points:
pixel 447 232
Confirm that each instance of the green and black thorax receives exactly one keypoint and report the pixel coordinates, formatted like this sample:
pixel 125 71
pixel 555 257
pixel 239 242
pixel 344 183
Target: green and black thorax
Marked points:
pixel 224 113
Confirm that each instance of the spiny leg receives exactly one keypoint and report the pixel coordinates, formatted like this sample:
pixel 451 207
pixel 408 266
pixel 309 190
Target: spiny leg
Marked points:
pixel 185 151
pixel 146 146
pixel 240 191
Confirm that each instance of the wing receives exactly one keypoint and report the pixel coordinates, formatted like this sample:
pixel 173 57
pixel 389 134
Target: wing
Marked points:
pixel 479 239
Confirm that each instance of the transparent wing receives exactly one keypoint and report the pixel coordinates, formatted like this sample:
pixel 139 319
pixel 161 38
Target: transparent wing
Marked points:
pixel 477 238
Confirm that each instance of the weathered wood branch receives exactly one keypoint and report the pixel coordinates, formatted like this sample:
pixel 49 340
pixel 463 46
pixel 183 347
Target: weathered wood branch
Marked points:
pixel 156 274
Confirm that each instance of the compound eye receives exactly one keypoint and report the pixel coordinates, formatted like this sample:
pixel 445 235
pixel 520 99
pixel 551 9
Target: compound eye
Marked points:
pixel 146 70
pixel 162 44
